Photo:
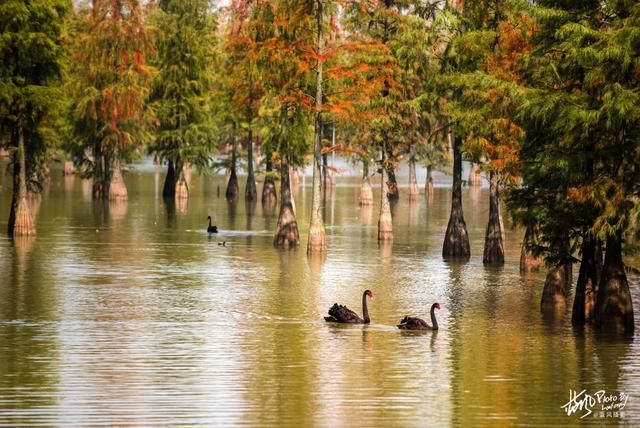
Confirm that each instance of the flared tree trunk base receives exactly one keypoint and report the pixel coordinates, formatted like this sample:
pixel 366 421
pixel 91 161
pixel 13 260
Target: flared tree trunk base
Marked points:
pixel 554 293
pixel 456 240
pixel 614 308
pixel 366 193
pixel 68 168
pixel 385 228
pixel 117 188
pixel 182 189
pixel 584 303
pixel 287 233
pixel 20 220
pixel 317 240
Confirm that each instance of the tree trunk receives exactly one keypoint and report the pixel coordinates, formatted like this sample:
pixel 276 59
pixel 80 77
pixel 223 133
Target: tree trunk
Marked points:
pixel 250 194
pixel 100 173
pixel 474 175
pixel 385 222
pixel 269 196
pixel 554 293
pixel 182 185
pixel 317 242
pixel 68 168
pixel 529 262
pixel 287 234
pixel 614 310
pixel 232 185
pixel 169 188
pixel 366 192
pixel 494 238
pixel 414 191
pixel 428 184
pixel 393 193
pixel 456 240
pixel 20 219
pixel 584 303
pixel 117 188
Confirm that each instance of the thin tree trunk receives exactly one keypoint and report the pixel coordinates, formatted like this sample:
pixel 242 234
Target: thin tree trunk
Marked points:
pixel 414 191
pixel 456 240
pixel 366 192
pixel 169 188
pixel 232 185
pixel 614 309
pixel 250 194
pixel 317 242
pixel 474 175
pixel 68 168
pixel 269 196
pixel 393 193
pixel 287 234
pixel 20 219
pixel 493 242
pixel 428 184
pixel 385 222
pixel 529 262
pixel 584 303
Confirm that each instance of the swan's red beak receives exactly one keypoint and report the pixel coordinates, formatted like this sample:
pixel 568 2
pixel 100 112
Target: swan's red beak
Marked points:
pixel 370 296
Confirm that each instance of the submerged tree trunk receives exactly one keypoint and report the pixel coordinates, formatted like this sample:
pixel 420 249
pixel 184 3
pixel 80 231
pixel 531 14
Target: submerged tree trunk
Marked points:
pixel 117 188
pixel 414 191
pixel 559 279
pixel 385 222
pixel 317 242
pixel 182 184
pixel 287 234
pixel 269 196
pixel 428 183
pixel 474 175
pixel 232 185
pixel 554 293
pixel 494 238
pixel 68 168
pixel 366 192
pixel 250 194
pixel 529 262
pixel 614 310
pixel 456 240
pixel 20 219
pixel 584 303
pixel 169 188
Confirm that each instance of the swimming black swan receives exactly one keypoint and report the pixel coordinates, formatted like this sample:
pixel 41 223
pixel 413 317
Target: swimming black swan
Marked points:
pixel 410 323
pixel 342 314
pixel 211 229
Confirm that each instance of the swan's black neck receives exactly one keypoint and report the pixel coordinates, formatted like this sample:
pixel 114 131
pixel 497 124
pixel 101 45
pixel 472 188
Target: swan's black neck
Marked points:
pixel 209 221
pixel 365 311
pixel 434 322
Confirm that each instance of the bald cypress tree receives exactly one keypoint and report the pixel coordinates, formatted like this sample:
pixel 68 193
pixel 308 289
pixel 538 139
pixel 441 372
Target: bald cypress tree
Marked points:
pixel 181 89
pixel 31 48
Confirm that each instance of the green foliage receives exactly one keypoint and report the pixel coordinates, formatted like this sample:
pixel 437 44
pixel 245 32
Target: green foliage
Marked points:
pixel 181 95
pixel 31 51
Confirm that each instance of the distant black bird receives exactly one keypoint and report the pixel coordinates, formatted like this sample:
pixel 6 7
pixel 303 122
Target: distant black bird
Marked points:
pixel 411 323
pixel 211 229
pixel 342 314
pixel 223 243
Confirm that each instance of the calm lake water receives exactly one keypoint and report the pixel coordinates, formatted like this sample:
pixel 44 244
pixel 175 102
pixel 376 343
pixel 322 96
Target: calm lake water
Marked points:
pixel 129 314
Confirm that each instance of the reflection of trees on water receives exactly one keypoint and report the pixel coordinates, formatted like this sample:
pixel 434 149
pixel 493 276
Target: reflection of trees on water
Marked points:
pixel 28 344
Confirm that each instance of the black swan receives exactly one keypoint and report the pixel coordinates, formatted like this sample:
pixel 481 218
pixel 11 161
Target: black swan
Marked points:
pixel 211 229
pixel 342 314
pixel 410 323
